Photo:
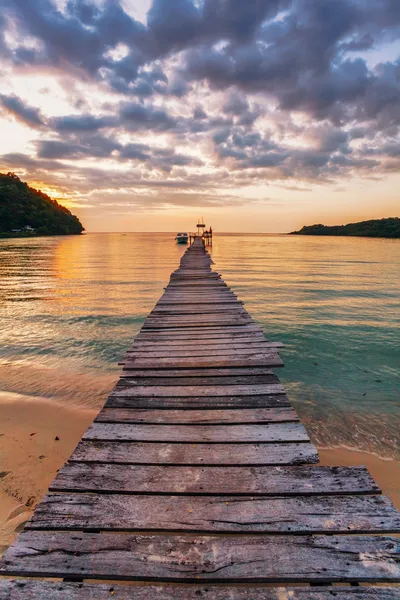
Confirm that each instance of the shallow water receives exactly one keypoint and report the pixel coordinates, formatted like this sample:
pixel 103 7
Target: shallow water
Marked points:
pixel 69 307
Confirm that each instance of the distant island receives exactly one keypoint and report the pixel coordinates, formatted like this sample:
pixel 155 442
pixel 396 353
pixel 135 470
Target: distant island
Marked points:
pixel 385 228
pixel 26 212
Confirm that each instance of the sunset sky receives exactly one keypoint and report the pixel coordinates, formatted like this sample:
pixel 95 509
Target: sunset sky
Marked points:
pixel 260 115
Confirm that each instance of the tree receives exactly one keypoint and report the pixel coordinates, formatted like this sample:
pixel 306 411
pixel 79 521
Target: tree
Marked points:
pixel 21 205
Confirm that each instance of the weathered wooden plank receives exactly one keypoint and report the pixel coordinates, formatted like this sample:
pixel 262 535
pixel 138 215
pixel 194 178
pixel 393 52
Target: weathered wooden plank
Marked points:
pixel 182 296
pixel 196 417
pixel 218 290
pixel 215 329
pixel 221 285
pixel 219 336
pixel 243 340
pixel 154 323
pixel 188 274
pixel 215 311
pixel 201 351
pixel 265 359
pixel 216 514
pixel 214 304
pixel 206 300
pixel 263 481
pixel 183 335
pixel 198 320
pixel 177 310
pixel 183 313
pixel 190 343
pixel 195 454
pixel 204 292
pixel 180 391
pixel 37 590
pixel 180 347
pixel 201 270
pixel 195 271
pixel 166 301
pixel 212 332
pixel 201 279
pixel 189 558
pixel 131 371
pixel 198 283
pixel 266 401
pixel 203 381
pixel 228 318
pixel 272 432
pixel 235 317
pixel 248 342
pixel 177 337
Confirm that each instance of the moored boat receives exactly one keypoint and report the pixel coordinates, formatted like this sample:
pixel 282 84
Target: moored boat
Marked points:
pixel 182 238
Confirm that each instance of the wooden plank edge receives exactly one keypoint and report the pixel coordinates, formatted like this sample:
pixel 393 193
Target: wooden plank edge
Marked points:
pixel 30 589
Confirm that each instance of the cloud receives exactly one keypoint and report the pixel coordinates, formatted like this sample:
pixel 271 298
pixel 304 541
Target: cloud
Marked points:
pixel 135 151
pixel 76 123
pixel 172 24
pixel 236 104
pixel 80 37
pixel 95 146
pixel 21 111
pixel 136 116
pixel 207 95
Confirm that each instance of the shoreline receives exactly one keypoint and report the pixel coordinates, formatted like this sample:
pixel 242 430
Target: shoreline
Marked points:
pixel 30 456
pixel 8 236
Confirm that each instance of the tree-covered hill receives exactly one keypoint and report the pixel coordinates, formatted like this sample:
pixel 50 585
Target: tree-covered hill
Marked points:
pixel 24 210
pixel 387 228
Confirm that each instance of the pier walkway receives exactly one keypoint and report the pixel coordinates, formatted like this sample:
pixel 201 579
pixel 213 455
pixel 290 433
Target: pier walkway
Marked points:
pixel 197 480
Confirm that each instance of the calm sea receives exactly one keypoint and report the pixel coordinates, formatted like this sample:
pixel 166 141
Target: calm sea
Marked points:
pixel 70 306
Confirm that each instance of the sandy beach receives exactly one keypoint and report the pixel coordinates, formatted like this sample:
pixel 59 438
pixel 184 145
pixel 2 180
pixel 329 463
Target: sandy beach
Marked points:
pixel 30 455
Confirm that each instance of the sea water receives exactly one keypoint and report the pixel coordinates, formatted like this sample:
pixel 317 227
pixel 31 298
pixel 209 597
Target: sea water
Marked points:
pixel 70 306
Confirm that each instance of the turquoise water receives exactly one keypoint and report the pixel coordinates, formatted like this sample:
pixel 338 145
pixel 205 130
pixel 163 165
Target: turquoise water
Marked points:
pixel 70 306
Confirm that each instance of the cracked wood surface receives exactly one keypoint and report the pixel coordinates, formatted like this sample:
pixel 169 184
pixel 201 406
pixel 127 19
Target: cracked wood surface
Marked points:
pixel 204 381
pixel 201 402
pixel 213 558
pixel 264 481
pixel 214 330
pixel 266 359
pixel 302 514
pixel 25 590
pixel 179 391
pixel 249 350
pixel 218 335
pixel 271 432
pixel 195 454
pixel 130 371
pixel 233 344
pixel 196 417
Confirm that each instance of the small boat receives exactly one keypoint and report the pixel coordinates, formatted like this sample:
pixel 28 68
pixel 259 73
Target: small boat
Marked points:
pixel 182 238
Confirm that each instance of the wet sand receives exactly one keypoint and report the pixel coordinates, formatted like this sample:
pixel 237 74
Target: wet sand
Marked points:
pixel 385 472
pixel 30 456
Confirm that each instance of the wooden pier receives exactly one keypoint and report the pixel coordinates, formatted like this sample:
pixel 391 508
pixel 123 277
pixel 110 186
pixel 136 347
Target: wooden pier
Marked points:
pixel 197 479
